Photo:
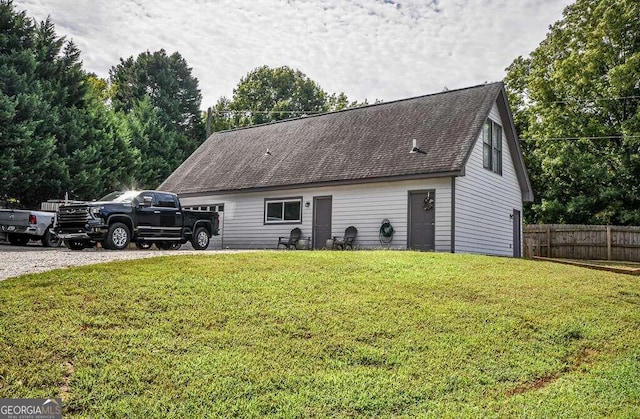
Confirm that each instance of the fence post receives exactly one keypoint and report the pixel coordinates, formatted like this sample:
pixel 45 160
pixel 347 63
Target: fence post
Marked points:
pixel 528 248
pixel 548 242
pixel 608 242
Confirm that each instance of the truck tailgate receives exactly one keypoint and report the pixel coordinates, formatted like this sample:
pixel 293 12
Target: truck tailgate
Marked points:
pixel 14 217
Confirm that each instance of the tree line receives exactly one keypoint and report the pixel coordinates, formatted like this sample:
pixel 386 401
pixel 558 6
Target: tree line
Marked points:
pixel 63 129
pixel 575 101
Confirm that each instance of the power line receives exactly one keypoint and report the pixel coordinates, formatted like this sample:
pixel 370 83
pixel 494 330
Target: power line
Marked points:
pixel 593 100
pixel 266 112
pixel 309 112
pixel 608 137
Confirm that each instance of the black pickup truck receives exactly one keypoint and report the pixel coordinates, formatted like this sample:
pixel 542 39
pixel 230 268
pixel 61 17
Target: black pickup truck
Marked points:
pixel 141 217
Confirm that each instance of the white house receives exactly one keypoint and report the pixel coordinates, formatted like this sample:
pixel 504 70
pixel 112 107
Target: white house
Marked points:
pixel 460 189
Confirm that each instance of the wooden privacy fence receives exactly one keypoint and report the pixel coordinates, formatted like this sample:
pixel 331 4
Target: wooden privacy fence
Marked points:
pixel 571 241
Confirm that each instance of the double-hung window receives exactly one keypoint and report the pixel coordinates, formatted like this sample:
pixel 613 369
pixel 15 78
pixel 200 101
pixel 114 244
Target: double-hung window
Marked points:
pixel 285 210
pixel 492 146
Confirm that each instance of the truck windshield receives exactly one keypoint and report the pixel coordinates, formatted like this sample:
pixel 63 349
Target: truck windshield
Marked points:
pixel 121 196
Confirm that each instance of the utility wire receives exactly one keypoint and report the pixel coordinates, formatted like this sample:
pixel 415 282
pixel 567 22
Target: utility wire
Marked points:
pixel 609 137
pixel 593 100
pixel 310 112
pixel 251 112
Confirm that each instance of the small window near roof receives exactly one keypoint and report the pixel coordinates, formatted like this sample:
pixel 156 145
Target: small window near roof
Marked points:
pixel 496 161
pixel 486 144
pixel 492 146
pixel 286 210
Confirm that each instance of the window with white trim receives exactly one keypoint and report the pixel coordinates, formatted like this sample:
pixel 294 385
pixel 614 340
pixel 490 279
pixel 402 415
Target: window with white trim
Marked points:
pixel 492 146
pixel 285 210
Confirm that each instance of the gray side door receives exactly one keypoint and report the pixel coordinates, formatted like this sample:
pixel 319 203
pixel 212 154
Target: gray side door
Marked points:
pixel 321 221
pixel 422 220
pixel 517 243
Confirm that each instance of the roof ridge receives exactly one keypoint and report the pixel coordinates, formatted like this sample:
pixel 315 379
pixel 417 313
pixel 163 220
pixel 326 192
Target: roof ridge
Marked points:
pixel 352 145
pixel 485 84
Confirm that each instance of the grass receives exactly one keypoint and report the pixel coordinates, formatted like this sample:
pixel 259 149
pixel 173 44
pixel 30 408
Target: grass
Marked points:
pixel 316 334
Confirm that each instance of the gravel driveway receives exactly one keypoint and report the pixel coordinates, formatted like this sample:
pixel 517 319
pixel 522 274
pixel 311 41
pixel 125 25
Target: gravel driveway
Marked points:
pixel 18 260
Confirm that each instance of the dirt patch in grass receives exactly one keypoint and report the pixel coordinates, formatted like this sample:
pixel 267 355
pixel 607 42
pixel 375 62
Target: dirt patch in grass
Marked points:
pixel 581 358
pixel 536 385
pixel 65 389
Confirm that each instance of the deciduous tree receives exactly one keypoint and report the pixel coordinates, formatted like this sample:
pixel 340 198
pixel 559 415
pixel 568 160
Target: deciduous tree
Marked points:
pixel 271 94
pixel 576 101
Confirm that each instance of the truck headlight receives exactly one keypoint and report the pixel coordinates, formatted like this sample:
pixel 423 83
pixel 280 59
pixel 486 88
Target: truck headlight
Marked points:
pixel 95 211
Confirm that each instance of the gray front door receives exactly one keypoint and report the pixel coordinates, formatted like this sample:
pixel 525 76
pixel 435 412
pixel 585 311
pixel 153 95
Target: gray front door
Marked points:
pixel 422 220
pixel 517 244
pixel 321 221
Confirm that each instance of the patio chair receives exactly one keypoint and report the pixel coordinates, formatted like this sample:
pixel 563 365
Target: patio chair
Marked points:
pixel 291 241
pixel 347 242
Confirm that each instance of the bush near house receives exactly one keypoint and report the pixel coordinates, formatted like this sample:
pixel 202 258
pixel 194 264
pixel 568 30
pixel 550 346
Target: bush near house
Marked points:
pixel 304 334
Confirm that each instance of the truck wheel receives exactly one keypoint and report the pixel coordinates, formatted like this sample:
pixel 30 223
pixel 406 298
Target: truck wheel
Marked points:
pixel 200 240
pixel 118 236
pixel 74 244
pixel 18 239
pixel 50 239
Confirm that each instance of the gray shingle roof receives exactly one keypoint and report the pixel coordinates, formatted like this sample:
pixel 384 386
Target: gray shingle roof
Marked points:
pixel 365 143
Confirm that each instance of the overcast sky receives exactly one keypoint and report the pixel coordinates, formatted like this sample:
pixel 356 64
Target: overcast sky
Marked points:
pixel 374 49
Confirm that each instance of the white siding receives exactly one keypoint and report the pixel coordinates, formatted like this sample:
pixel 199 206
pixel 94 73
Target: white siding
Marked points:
pixel 363 206
pixel 485 201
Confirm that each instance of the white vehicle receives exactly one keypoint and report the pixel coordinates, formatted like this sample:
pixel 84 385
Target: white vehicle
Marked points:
pixel 21 226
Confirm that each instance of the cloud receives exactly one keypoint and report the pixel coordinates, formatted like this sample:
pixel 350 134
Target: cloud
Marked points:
pixel 386 49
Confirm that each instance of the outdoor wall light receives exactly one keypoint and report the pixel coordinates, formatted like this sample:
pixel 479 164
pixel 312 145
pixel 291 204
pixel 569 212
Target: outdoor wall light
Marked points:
pixel 307 204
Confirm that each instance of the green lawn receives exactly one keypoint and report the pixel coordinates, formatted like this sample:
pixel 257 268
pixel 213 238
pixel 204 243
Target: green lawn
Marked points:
pixel 316 334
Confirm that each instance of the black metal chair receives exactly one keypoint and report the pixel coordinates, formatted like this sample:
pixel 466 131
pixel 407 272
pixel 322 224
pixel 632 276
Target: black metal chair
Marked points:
pixel 347 242
pixel 292 240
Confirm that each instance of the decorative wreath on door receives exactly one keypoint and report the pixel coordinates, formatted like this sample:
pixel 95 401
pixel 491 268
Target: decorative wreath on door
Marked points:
pixel 428 202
